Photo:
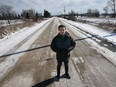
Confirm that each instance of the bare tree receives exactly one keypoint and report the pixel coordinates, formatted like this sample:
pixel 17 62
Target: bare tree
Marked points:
pixel 28 13
pixel 89 12
pixel 93 13
pixel 6 11
pixel 71 15
pixel 96 13
pixel 112 4
pixel 106 9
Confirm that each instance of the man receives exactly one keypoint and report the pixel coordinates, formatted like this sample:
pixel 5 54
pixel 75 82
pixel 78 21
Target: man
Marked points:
pixel 62 44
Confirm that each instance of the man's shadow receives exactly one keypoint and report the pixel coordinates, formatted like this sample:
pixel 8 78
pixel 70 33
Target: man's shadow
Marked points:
pixel 48 81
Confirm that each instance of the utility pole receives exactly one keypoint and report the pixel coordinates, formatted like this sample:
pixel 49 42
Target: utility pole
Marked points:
pixel 64 11
pixel 115 8
pixel 81 9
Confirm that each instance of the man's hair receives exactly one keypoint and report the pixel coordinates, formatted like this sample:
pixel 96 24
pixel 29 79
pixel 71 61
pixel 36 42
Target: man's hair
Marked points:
pixel 61 26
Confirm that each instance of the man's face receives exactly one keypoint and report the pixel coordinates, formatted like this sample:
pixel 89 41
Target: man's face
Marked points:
pixel 62 30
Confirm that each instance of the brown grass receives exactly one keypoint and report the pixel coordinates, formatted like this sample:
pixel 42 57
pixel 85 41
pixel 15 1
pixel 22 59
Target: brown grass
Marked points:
pixel 7 30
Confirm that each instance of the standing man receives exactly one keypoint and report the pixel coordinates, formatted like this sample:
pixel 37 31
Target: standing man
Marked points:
pixel 62 44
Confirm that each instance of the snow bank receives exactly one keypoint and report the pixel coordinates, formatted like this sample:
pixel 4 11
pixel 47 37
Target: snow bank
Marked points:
pixel 110 55
pixel 11 41
pixel 98 32
pixel 98 20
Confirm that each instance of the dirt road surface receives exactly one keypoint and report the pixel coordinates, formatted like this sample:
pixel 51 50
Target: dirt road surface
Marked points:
pixel 37 68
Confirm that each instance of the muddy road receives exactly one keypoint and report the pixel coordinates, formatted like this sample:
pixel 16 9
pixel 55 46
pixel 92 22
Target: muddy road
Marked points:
pixel 37 68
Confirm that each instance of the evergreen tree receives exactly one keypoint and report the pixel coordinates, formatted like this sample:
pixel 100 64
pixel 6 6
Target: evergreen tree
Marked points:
pixel 46 13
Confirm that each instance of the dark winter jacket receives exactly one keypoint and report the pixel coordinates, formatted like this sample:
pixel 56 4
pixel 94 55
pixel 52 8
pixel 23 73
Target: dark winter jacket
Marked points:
pixel 62 45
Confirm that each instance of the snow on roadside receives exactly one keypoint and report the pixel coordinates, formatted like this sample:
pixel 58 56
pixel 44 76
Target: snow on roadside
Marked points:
pixel 10 61
pixel 111 56
pixel 111 37
pixel 98 20
pixel 4 23
pixel 8 43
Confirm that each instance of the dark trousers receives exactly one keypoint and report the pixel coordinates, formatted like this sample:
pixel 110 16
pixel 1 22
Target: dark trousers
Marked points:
pixel 59 64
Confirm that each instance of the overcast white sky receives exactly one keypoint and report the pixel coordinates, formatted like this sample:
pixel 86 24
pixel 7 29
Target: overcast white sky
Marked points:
pixel 56 6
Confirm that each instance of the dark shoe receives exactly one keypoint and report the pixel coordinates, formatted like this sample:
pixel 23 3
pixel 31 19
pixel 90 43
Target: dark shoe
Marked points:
pixel 57 78
pixel 67 76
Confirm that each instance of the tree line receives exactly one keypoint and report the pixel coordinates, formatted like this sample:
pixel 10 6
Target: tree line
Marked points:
pixel 109 10
pixel 7 13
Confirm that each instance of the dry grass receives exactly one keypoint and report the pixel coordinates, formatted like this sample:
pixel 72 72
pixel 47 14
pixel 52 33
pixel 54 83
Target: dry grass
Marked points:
pixel 7 30
pixel 108 25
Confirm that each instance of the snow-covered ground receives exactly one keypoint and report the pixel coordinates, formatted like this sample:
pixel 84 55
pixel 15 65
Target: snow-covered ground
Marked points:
pixel 98 20
pixel 98 32
pixel 110 55
pixel 4 22
pixel 11 41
